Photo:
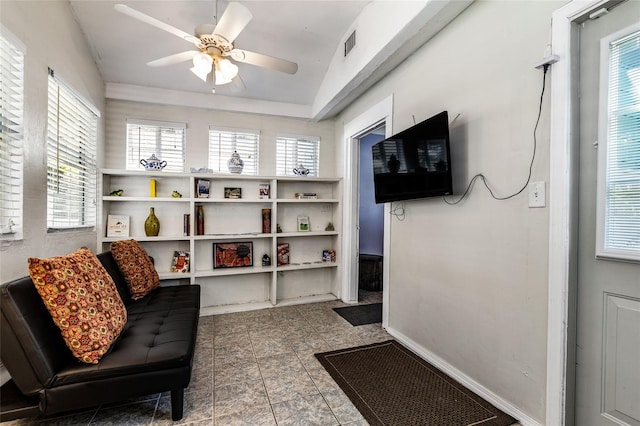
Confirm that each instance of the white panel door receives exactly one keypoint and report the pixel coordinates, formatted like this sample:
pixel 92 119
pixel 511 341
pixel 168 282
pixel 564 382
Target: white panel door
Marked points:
pixel 608 309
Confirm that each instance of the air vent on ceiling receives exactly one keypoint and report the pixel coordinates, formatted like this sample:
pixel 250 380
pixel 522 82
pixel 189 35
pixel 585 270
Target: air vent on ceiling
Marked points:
pixel 350 43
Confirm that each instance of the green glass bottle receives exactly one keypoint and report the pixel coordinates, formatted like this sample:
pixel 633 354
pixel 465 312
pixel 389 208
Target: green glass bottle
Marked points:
pixel 152 224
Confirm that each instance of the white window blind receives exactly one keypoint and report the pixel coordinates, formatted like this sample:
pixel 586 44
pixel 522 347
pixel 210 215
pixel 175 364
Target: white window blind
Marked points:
pixel 11 136
pixel 222 143
pixel 619 151
pixel 292 151
pixel 165 140
pixel 72 132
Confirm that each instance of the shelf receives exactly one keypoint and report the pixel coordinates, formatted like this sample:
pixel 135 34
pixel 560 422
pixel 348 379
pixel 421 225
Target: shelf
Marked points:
pixel 306 299
pixel 234 200
pixel 303 266
pixel 146 239
pixel 306 234
pixel 307 200
pixel 215 237
pixel 233 271
pixel 241 288
pixel 174 275
pixel 147 199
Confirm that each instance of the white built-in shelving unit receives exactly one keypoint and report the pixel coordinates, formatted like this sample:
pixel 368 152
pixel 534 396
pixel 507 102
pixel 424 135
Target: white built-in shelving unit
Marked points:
pixel 306 279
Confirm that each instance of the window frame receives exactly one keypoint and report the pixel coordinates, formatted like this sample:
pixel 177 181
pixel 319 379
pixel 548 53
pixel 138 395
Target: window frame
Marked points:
pixel 86 169
pixel 249 155
pixel 286 138
pixel 160 151
pixel 12 175
pixel 606 117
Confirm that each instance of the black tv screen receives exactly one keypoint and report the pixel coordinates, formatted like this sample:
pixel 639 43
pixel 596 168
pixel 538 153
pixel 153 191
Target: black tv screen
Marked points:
pixel 415 163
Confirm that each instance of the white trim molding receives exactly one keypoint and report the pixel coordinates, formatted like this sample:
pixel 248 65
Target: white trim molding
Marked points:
pixel 561 205
pixel 381 113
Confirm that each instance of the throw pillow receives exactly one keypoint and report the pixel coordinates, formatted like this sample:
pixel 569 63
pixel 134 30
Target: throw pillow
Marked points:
pixel 83 301
pixel 136 266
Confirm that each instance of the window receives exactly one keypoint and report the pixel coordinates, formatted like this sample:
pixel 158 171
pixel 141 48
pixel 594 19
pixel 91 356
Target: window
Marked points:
pixel 11 135
pixel 72 132
pixel 222 143
pixel 165 140
pixel 619 150
pixel 291 151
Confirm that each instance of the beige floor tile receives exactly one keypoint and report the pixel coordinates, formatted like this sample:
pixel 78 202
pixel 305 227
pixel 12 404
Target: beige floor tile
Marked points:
pixel 310 410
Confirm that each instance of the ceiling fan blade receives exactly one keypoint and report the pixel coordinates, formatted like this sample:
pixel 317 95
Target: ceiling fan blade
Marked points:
pixel 233 21
pixel 156 23
pixel 173 59
pixel 265 61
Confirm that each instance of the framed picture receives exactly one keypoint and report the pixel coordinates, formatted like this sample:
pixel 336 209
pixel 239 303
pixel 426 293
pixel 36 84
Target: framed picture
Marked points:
pixel 232 255
pixel 202 188
pixel 233 193
pixel 303 223
pixel 180 262
pixel 117 226
pixel 264 190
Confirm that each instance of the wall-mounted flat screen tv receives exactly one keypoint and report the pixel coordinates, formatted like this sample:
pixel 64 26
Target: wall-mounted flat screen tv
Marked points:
pixel 415 163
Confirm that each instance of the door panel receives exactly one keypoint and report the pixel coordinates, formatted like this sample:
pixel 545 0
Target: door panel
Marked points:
pixel 608 300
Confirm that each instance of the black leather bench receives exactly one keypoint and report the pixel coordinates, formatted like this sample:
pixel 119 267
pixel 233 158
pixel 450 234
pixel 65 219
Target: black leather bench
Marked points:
pixel 153 354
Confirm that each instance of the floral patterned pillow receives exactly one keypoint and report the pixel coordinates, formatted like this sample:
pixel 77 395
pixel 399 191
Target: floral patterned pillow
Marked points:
pixel 136 266
pixel 83 301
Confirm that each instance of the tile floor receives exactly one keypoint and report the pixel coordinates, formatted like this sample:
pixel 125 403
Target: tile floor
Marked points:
pixel 254 368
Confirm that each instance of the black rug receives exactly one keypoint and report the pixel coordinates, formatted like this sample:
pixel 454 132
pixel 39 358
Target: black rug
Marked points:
pixel 390 385
pixel 361 314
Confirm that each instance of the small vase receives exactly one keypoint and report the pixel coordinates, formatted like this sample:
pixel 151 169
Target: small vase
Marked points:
pixel 152 224
pixel 235 163
pixel 200 220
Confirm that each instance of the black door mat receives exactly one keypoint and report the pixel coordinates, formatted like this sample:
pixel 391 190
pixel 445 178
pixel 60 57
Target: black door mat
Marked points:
pixel 390 385
pixel 361 314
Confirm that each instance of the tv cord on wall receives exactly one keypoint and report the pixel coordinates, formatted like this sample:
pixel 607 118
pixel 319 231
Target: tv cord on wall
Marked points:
pixel 533 156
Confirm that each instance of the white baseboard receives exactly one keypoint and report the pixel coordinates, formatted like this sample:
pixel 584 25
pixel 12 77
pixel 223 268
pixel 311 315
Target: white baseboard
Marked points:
pixel 463 379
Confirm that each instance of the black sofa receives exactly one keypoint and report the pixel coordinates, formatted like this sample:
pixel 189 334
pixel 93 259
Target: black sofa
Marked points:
pixel 153 354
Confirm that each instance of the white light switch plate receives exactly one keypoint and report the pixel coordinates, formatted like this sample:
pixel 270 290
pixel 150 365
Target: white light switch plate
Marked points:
pixel 537 194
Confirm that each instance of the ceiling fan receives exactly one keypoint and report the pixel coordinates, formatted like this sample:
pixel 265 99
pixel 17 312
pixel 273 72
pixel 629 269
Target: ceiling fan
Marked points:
pixel 215 46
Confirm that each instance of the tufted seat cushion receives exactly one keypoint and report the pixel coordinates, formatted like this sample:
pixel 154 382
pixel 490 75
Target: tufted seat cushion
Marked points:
pixel 150 341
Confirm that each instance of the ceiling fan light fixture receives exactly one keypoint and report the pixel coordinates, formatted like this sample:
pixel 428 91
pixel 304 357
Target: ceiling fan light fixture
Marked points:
pixel 225 71
pixel 202 64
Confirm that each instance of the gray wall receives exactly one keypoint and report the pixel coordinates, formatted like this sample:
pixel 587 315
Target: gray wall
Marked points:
pixel 198 121
pixel 52 39
pixel 475 295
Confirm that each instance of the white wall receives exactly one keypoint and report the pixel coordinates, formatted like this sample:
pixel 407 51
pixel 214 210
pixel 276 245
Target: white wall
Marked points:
pixel 52 39
pixel 468 283
pixel 197 138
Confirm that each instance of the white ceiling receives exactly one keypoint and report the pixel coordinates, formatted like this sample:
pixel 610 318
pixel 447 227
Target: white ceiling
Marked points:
pixel 307 32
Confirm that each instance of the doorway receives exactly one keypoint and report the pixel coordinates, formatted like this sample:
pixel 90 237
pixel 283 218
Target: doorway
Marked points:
pixel 370 223
pixel 375 117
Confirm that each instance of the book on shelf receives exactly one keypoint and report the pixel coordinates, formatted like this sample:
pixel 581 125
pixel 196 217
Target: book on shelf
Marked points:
pixel 202 188
pixel 264 190
pixel 266 221
pixel 303 223
pixel 180 262
pixel 305 196
pixel 283 254
pixel 117 226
